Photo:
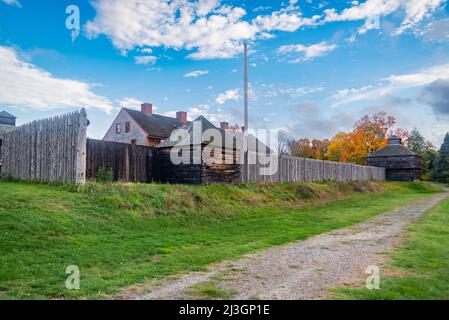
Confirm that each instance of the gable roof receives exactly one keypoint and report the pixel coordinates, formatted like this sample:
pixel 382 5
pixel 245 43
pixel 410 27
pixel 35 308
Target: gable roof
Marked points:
pixel 392 150
pixel 228 138
pixel 5 114
pixel 155 125
pixel 205 125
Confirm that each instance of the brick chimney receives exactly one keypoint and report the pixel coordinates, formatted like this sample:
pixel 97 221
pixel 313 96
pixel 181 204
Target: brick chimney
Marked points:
pixel 147 108
pixel 224 125
pixel 181 116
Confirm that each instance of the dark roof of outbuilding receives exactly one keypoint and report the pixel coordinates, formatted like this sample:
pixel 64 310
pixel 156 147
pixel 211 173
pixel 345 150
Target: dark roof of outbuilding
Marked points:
pixel 205 125
pixel 5 114
pixel 392 150
pixel 228 138
pixel 155 125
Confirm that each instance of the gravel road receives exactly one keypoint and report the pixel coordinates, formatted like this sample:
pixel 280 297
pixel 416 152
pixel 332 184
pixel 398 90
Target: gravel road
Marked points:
pixel 304 269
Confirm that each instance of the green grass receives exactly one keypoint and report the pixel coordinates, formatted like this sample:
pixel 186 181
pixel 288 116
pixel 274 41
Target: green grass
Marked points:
pixel 208 291
pixel 123 234
pixel 421 265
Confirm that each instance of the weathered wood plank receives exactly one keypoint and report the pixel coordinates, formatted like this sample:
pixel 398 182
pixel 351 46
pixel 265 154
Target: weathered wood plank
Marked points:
pixel 44 150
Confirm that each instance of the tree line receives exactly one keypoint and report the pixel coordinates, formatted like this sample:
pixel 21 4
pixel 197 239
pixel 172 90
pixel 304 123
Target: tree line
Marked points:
pixel 369 134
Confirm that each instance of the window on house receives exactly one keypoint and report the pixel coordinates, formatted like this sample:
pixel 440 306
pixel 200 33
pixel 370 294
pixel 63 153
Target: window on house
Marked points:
pixel 133 141
pixel 127 127
pixel 118 128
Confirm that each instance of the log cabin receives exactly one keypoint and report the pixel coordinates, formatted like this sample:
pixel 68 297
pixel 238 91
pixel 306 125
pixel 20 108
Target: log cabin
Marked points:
pixel 401 163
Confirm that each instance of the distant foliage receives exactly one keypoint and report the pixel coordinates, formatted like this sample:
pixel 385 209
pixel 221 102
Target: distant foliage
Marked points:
pixel 339 148
pixel 424 148
pixel 312 149
pixel 441 166
pixel 104 175
pixel 370 133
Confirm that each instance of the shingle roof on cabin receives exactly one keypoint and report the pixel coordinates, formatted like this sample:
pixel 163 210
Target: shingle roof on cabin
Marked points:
pixel 4 114
pixel 156 125
pixel 229 138
pixel 205 125
pixel 392 150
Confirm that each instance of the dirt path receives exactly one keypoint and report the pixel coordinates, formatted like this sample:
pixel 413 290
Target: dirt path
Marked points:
pixel 304 269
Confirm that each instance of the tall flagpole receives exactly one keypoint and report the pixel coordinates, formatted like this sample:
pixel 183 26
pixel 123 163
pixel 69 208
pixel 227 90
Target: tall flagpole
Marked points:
pixel 245 133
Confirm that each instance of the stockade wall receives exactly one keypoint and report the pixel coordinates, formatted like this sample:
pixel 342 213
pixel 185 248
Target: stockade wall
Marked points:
pixel 52 149
pixel 292 169
pixel 128 162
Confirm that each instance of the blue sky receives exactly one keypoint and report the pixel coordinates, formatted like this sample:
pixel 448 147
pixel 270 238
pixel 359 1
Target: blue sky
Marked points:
pixel 316 66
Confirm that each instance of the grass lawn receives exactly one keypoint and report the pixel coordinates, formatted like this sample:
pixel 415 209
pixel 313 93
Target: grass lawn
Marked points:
pixel 123 234
pixel 421 265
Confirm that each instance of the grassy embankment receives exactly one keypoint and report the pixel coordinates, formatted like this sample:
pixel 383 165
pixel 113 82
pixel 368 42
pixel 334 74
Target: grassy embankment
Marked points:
pixel 122 234
pixel 420 268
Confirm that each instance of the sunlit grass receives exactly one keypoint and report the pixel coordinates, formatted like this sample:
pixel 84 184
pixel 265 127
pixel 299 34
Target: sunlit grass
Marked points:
pixel 421 266
pixel 122 234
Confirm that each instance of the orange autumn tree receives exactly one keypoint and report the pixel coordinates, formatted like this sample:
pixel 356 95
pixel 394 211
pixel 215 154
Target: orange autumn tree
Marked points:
pixel 338 149
pixel 302 148
pixel 368 135
pixel 315 149
pixel 319 148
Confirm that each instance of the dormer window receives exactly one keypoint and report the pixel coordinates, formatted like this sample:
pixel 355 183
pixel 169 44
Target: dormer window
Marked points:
pixel 118 128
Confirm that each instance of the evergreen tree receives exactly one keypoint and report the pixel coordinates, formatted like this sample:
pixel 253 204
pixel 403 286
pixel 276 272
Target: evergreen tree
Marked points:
pixel 441 168
pixel 418 144
pixel 416 141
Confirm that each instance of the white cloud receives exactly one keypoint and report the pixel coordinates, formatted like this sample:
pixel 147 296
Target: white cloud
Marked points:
pixel 195 74
pixel 420 78
pixel 207 27
pixel 261 8
pixel 343 93
pixel 131 103
pixel 25 85
pixel 267 91
pixel 308 52
pixel 202 110
pixel 228 96
pixel 435 31
pixel 392 84
pixel 302 91
pixel 212 29
pixel 13 3
pixel 364 10
pixel 415 11
pixel 284 20
pixel 145 60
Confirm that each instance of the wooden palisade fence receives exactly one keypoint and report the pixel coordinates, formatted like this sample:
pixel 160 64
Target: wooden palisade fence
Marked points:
pixel 52 149
pixel 126 161
pixel 292 169
pixel 56 149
